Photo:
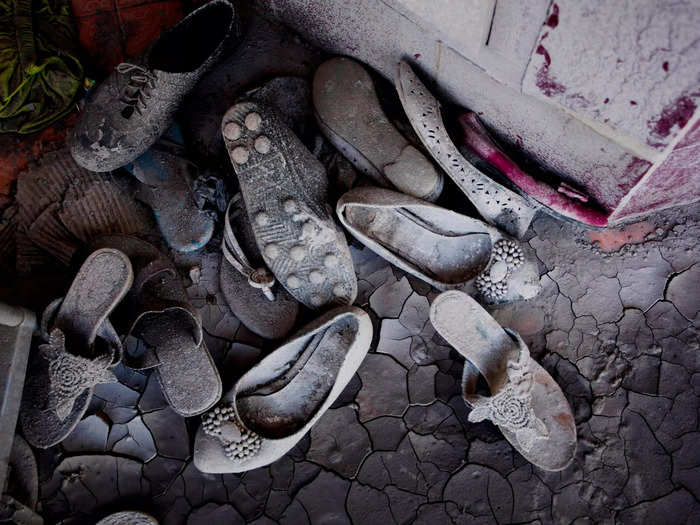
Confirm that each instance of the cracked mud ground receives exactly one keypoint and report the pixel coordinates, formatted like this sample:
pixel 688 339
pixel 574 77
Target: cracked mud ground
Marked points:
pixel 615 324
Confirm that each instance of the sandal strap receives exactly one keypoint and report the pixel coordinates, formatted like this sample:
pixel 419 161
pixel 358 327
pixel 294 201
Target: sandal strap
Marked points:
pixel 260 278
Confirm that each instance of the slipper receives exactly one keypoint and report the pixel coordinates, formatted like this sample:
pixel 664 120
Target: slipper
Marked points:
pixel 564 202
pixel 441 247
pixel 496 204
pixel 157 311
pixel 80 347
pixel 525 402
pixel 128 517
pixel 251 291
pixel 285 191
pixel 166 178
pixel 22 481
pixel 349 115
pixel 16 327
pixel 278 401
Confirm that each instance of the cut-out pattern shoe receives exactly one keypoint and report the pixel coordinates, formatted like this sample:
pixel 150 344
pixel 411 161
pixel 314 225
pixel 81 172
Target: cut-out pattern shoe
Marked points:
pixel 137 102
pixel 278 401
pixel 525 402
pixel 439 246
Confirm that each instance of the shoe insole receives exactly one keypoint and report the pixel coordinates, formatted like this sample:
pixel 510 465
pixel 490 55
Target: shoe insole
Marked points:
pixel 102 281
pixel 448 254
pixel 291 398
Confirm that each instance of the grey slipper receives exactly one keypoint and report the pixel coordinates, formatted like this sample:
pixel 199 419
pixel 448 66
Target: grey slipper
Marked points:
pixel 157 311
pixel 525 402
pixel 439 246
pixel 349 114
pixel 128 517
pixel 80 346
pixel 137 102
pixel 278 401
pixel 166 186
pixel 285 191
pixel 251 291
pixel 496 204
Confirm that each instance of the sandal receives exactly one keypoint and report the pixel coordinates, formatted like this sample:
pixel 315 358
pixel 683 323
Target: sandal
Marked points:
pixel 278 401
pixel 350 116
pixel 80 348
pixel 564 202
pixel 285 191
pixel 525 402
pixel 157 311
pixel 251 291
pixel 496 204
pixel 441 247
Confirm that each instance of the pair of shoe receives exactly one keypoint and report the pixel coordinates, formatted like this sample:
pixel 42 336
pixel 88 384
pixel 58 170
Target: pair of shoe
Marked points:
pixel 132 279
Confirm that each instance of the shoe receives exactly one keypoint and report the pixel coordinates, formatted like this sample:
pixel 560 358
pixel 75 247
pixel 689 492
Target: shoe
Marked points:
pixel 496 204
pixel 278 401
pixel 563 203
pixel 285 191
pixel 441 247
pixel 158 312
pixel 349 115
pixel 250 289
pixel 80 349
pixel 137 102
pixel 525 402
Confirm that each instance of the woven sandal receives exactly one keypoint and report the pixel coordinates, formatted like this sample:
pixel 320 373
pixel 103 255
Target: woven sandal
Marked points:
pixel 80 347
pixel 525 402
pixel 278 401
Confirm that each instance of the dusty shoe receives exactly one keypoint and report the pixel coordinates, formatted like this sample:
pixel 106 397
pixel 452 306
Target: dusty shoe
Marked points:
pixel 251 290
pixel 80 348
pixel 285 191
pixel 442 247
pixel 166 178
pixel 563 202
pixel 278 401
pixel 128 517
pixel 349 114
pixel 525 402
pixel 137 102
pixel 496 204
pixel 157 311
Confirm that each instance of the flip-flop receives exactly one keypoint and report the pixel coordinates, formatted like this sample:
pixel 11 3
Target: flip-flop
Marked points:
pixel 285 191
pixel 525 402
pixel 439 246
pixel 278 401
pixel 80 346
pixel 166 178
pixel 128 517
pixel 563 202
pixel 157 311
pixel 349 114
pixel 251 291
pixel 16 328
pixel 496 204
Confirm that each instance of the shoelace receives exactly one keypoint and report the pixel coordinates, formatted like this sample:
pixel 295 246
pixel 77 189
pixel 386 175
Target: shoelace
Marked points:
pixel 141 81
pixel 260 278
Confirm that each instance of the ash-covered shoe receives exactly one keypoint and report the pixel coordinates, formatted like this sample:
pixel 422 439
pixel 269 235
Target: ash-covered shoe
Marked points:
pixel 562 202
pixel 525 402
pixel 128 517
pixel 80 348
pixel 251 290
pixel 439 246
pixel 137 102
pixel 496 204
pixel 158 312
pixel 278 401
pixel 349 115
pixel 285 191
pixel 166 178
